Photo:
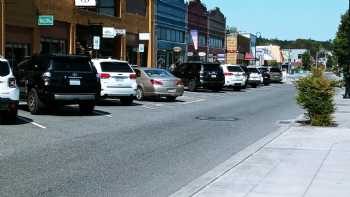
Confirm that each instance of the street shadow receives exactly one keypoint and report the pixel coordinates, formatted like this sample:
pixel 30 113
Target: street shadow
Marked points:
pixel 114 102
pixel 20 120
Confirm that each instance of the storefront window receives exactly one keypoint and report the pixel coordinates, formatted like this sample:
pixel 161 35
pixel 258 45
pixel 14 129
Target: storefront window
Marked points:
pixel 53 46
pixel 136 7
pixel 107 7
pixel 15 53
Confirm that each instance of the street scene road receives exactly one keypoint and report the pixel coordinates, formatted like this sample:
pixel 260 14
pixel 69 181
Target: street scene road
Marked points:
pixel 152 148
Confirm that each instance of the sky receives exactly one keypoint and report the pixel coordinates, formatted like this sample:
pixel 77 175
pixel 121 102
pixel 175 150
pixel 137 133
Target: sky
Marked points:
pixel 284 19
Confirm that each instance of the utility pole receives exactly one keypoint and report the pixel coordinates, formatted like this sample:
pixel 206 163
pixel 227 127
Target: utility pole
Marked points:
pixel 347 69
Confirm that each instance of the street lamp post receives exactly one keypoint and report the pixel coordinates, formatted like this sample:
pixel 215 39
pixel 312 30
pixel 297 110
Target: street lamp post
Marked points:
pixel 256 43
pixel 347 69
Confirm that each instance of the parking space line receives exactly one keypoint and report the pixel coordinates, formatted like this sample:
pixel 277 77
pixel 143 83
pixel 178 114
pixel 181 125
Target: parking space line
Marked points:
pixel 195 101
pixel 103 114
pixel 31 122
pixel 148 107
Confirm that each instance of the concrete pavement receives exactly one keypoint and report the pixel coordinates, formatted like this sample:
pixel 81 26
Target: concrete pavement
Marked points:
pixel 301 161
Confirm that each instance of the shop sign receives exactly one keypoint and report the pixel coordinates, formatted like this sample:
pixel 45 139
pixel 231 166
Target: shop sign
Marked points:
pixel 190 54
pixel 202 54
pixel 177 49
pixel 120 32
pixel 108 32
pixel 96 43
pixel 141 48
pixel 46 20
pixel 85 3
pixel 144 36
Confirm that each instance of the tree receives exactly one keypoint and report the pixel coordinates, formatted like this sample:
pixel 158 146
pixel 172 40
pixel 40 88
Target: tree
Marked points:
pixel 341 44
pixel 306 58
pixel 331 62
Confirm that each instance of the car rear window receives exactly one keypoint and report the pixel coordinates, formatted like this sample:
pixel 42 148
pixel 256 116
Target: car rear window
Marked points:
pixel 157 73
pixel 211 67
pixel 234 69
pixel 253 70
pixel 72 64
pixel 4 69
pixel 120 67
pixel 275 70
pixel 263 69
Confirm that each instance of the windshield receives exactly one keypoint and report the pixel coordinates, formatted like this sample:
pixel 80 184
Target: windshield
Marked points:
pixel 120 67
pixel 72 64
pixel 234 69
pixel 155 73
pixel 4 69
pixel 275 70
pixel 253 70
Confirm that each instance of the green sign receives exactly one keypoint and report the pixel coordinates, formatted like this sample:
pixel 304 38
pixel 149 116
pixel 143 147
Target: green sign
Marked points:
pixel 45 20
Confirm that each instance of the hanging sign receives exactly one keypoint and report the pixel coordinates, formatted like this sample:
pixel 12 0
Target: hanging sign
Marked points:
pixel 85 3
pixel 141 48
pixel 46 20
pixel 96 43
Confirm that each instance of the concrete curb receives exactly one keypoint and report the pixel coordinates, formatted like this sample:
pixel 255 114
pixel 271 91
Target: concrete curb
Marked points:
pixel 210 177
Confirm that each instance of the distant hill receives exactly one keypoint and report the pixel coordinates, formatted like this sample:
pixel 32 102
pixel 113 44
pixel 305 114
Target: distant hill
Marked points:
pixel 312 45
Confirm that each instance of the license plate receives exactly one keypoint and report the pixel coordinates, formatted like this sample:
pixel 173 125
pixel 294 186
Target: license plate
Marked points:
pixel 172 90
pixel 117 79
pixel 213 76
pixel 74 82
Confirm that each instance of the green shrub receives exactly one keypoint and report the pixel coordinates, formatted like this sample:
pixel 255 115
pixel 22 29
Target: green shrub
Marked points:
pixel 315 94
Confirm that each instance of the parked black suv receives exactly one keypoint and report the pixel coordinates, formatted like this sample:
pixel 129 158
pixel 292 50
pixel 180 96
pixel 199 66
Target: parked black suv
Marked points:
pixel 51 80
pixel 266 75
pixel 196 74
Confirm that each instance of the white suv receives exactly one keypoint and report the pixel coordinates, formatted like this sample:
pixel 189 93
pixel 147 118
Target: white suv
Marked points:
pixel 9 92
pixel 118 79
pixel 234 76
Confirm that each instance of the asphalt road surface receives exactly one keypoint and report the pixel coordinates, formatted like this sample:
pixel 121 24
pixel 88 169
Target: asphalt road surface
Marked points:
pixel 150 149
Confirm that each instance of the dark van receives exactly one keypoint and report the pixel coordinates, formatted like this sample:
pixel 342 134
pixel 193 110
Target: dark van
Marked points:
pixel 51 80
pixel 195 75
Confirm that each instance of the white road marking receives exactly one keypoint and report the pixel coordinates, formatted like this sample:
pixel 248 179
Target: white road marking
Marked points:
pixel 32 122
pixel 147 107
pixel 195 101
pixel 103 114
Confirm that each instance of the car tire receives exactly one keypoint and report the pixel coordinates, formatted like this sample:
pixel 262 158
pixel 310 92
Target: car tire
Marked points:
pixel 171 98
pixel 139 94
pixel 126 101
pixel 35 105
pixel 237 88
pixel 192 85
pixel 86 108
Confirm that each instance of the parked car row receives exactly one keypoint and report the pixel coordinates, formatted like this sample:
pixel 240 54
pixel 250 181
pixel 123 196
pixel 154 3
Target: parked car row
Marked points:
pixel 50 81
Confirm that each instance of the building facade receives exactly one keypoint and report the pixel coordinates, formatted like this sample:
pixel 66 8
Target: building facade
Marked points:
pixel 170 32
pixel 74 28
pixel 268 54
pixel 197 31
pixel 238 46
pixel 216 37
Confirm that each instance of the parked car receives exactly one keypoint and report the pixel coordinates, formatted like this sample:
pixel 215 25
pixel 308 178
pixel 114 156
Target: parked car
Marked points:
pixel 255 77
pixel 118 79
pixel 54 80
pixel 9 92
pixel 197 74
pixel 154 82
pixel 235 76
pixel 265 75
pixel 276 75
pixel 246 70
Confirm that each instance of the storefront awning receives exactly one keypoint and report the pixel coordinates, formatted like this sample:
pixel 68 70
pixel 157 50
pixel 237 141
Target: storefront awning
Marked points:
pixel 249 57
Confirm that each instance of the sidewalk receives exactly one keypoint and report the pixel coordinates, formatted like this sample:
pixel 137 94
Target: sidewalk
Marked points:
pixel 302 162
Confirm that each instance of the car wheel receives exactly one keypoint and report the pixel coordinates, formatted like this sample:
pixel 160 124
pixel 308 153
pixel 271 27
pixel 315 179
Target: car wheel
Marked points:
pixel 192 85
pixel 86 108
pixel 237 88
pixel 127 100
pixel 171 98
pixel 139 94
pixel 35 105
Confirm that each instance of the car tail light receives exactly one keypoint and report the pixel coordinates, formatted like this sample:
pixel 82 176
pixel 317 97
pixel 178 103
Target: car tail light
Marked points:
pixel 12 83
pixel 179 83
pixel 156 82
pixel 228 74
pixel 105 75
pixel 132 76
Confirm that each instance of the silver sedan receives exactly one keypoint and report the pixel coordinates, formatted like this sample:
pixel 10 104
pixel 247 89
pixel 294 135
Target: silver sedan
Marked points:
pixel 154 82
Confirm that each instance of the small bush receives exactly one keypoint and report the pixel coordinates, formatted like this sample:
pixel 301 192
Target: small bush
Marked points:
pixel 315 95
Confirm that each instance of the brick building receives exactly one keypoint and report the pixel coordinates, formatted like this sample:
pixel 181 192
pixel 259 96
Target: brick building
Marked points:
pixel 74 28
pixel 197 31
pixel 217 34
pixel 238 46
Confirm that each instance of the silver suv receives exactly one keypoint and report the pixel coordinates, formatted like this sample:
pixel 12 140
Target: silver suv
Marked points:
pixel 9 93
